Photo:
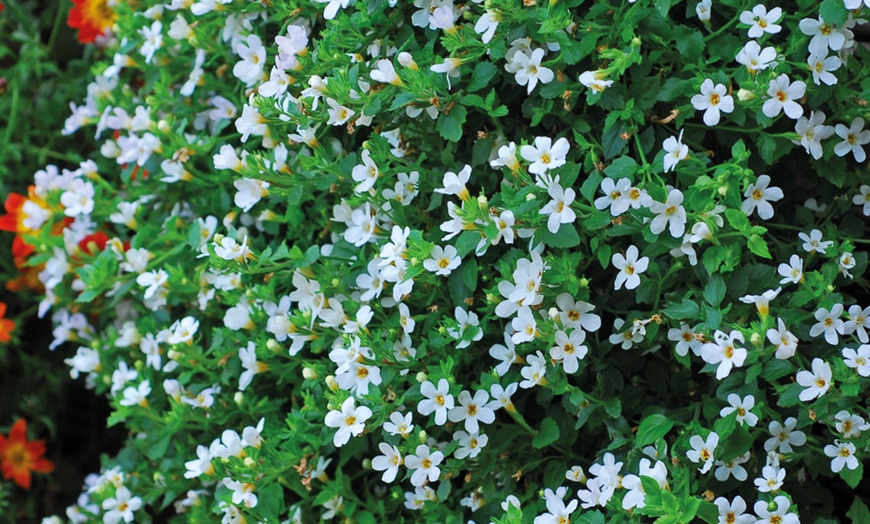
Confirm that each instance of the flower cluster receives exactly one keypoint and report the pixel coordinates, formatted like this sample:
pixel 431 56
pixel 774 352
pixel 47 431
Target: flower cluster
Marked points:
pixel 343 259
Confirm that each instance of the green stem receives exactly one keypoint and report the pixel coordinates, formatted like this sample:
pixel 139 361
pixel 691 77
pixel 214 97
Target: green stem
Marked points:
pixel 61 10
pixel 13 113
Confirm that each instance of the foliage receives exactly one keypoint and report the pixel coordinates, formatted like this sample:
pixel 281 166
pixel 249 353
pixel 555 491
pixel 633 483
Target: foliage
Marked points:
pixel 497 261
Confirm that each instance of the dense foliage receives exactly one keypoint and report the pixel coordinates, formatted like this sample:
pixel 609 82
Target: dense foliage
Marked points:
pixel 499 261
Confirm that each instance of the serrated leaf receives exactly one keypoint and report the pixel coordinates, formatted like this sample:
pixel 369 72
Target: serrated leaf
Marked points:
pixel 565 237
pixel 548 434
pixel 449 125
pixel 714 291
pixel 852 477
pixel 622 167
pixel 652 428
pixel 833 12
pixel 758 246
pixel 858 512
pixel 480 77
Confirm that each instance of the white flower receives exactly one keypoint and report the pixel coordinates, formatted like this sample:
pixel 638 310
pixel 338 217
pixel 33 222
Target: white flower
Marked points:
pixel 783 96
pixel 702 451
pixel 349 420
pixel 843 454
pixel 758 197
pixel 437 400
pixel 338 114
pixel 466 320
pixel 761 20
pixel 545 155
pixel 450 67
pixel 535 371
pixel 742 407
pixel 670 214
pixel 470 445
pixel 713 100
pixel 615 196
pixel 424 463
pixel 675 150
pixel 121 506
pixel 784 341
pixel 771 479
pixel 817 382
pixel 811 132
pixel 685 339
pixel 366 173
pixel 731 468
pixel 824 35
pixel 853 138
pixel 702 9
pixel 559 208
pixel 385 73
pixel 152 281
pixel 388 462
pixel 557 511
pixel 249 191
pixel 575 474
pixel 822 66
pixel 762 301
pixel 399 424
pixel 473 411
pixel 850 425
pixel 78 199
pixel 863 199
pixel 332 7
pixel 813 242
pixel 778 516
pixel 859 359
pixel 724 352
pixel 630 268
pixel 829 323
pixel 594 80
pixel 454 183
pixel 845 263
pixel 487 24
pixel 784 437
pixel 442 261
pixel 754 58
pixel 733 512
pixel 529 69
pixel 577 314
pixel 525 326
pixel 569 349
pixel 627 338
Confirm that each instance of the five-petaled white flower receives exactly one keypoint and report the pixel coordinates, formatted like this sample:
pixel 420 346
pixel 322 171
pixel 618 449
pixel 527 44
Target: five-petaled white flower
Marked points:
pixel 813 242
pixel 388 462
pixel 843 454
pixel 442 261
pixel 545 154
pixel 349 420
pixel 472 410
pixel 558 210
pixel 569 349
pixel 783 340
pixel 854 137
pixel 529 69
pixel 670 214
pixel 366 173
pixel 742 407
pixel 758 197
pixel 761 21
pixel 438 400
pixel 724 352
pixel 630 267
pixel 675 150
pixel 779 516
pixel 817 381
pixel 713 100
pixel 702 451
pixel 424 463
pixel 830 323
pixel 783 97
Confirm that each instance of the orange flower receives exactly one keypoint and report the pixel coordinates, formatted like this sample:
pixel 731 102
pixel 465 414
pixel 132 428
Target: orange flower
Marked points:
pixel 18 457
pixel 91 17
pixel 6 325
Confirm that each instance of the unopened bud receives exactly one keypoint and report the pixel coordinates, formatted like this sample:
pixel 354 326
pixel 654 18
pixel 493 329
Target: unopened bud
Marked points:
pixel 163 126
pixel 745 95
pixel 308 373
pixel 239 398
pixel 273 346
pixel 407 60
pixel 422 377
pixel 249 462
pixel 367 464
pixel 553 313
pixel 173 354
pixel 530 197
pixel 723 190
pixel 422 436
pixel 331 383
pixel 755 339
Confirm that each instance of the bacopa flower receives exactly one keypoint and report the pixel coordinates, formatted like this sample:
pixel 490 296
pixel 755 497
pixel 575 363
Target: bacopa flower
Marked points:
pixel 817 382
pixel 630 267
pixel 545 154
pixel 92 18
pixel 18 457
pixel 675 150
pixel 783 96
pixel 830 323
pixel 843 454
pixel 724 352
pixel 761 21
pixel 758 197
pixel 713 100
pixel 702 451
pixel 349 420
pixel 854 137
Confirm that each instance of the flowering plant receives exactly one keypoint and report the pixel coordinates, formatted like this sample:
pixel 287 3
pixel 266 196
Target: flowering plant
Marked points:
pixel 498 261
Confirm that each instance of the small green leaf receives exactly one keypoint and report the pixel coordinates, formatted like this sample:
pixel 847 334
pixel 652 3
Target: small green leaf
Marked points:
pixel 565 237
pixel 449 125
pixel 622 167
pixel 852 477
pixel 833 12
pixel 652 428
pixel 548 434
pixel 735 445
pixel 858 512
pixel 480 77
pixel 758 246
pixel 613 407
pixel 714 292
pixel 686 309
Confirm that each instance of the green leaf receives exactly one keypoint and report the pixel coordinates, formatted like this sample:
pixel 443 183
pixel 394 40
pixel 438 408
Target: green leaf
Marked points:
pixel 834 12
pixel 714 292
pixel 591 517
pixel 449 125
pixel 758 246
pixel 685 309
pixel 590 186
pixel 622 167
pixel 735 445
pixel 598 220
pixel 708 512
pixel 663 6
pixel 480 77
pixel 548 434
pixel 852 477
pixel 858 512
pixel 613 407
pixel 565 237
pixel 652 428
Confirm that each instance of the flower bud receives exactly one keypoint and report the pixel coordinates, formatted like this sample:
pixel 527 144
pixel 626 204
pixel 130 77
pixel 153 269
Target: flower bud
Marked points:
pixel 422 436
pixel 422 377
pixel 755 339
pixel 530 197
pixel 745 95
pixel 723 190
pixel 553 313
pixel 308 373
pixel 367 464
pixel 407 60
pixel 331 383
pixel 249 462
pixel 273 346
pixel 163 126
pixel 173 354
pixel 239 398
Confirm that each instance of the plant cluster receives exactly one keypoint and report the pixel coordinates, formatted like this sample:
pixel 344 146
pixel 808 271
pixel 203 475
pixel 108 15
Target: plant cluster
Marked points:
pixel 494 261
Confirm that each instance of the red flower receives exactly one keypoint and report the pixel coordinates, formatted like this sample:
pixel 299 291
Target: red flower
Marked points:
pixel 91 17
pixel 18 457
pixel 6 325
